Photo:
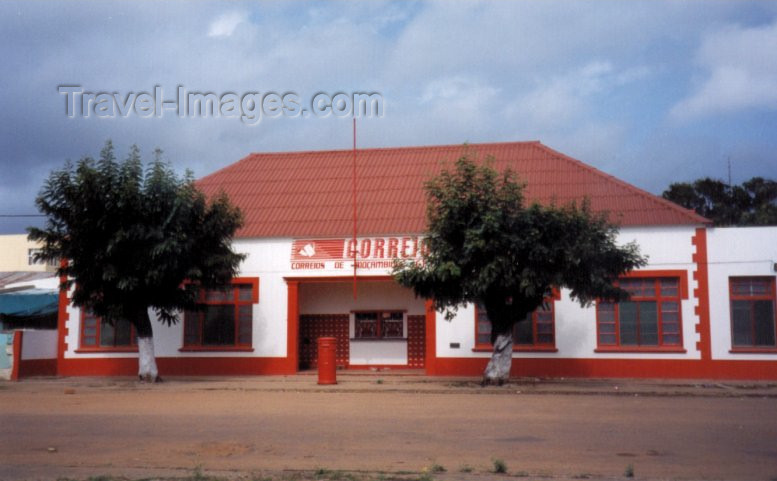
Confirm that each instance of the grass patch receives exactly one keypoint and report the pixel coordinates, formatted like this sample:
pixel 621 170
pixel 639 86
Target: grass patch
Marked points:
pixel 334 475
pixel 500 467
pixel 629 472
pixel 466 469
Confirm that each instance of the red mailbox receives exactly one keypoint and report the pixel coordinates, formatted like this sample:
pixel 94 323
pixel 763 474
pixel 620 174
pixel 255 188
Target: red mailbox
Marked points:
pixel 327 367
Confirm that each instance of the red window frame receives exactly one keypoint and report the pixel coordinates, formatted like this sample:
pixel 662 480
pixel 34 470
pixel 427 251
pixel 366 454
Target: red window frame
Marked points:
pixel 379 329
pixel 536 345
pixel 194 321
pixel 90 342
pixel 769 294
pixel 641 281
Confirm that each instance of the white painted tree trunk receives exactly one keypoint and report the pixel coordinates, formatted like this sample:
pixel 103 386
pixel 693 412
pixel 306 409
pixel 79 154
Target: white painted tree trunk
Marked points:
pixel 498 369
pixel 147 370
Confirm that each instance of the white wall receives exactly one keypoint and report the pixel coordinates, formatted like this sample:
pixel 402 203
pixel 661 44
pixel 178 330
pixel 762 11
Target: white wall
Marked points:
pixel 268 260
pixel 668 248
pixel 337 298
pixel 742 251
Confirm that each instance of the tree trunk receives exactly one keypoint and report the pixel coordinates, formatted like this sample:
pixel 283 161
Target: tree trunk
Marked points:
pixel 147 370
pixel 498 369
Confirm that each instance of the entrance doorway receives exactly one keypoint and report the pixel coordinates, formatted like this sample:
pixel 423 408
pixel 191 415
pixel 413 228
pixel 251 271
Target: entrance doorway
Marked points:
pixel 383 327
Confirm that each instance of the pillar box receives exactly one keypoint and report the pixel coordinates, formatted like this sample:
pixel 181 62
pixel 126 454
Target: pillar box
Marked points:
pixel 327 368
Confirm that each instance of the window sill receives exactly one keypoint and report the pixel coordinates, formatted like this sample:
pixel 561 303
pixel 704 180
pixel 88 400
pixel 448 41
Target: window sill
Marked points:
pixel 753 350
pixel 518 349
pixel 89 350
pixel 378 339
pixel 216 349
pixel 645 350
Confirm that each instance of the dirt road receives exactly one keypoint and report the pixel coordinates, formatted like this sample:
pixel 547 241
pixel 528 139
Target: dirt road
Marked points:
pixel 81 428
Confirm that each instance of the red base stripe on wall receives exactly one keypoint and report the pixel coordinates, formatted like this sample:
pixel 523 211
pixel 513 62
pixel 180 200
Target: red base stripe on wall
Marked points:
pixel 37 367
pixel 173 366
pixel 617 368
pixel 547 368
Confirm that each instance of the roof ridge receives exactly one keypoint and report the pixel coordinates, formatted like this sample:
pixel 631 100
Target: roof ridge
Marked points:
pixel 690 213
pixel 378 149
pixel 218 171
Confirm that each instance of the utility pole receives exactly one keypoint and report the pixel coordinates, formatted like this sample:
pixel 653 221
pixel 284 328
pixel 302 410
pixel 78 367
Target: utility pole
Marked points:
pixel 729 171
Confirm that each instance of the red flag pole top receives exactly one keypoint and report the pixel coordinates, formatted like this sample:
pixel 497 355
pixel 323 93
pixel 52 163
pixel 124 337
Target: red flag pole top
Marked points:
pixel 354 208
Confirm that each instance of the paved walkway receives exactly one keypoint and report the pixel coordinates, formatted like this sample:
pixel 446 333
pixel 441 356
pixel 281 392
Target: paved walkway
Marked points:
pixel 415 382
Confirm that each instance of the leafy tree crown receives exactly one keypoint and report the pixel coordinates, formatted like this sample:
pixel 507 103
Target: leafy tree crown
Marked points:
pixel 134 237
pixel 486 245
pixel 754 202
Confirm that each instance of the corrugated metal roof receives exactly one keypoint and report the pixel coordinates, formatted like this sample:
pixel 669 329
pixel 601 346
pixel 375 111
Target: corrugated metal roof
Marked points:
pixel 15 277
pixel 301 194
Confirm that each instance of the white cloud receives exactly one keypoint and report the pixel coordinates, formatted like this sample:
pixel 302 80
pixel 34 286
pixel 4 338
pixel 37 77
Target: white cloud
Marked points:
pixel 742 65
pixel 460 100
pixel 564 98
pixel 225 24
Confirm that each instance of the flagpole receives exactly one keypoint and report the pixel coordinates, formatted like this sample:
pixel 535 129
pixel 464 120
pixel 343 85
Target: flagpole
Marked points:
pixel 354 208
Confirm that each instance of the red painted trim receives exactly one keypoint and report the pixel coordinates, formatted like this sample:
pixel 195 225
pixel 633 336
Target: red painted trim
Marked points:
pixel 37 367
pixel 337 278
pixel 430 358
pixel 681 273
pixel 637 349
pixel 89 350
pixel 771 296
pixel 292 326
pixel 254 282
pixel 519 348
pixel 62 321
pixel 132 347
pixel 385 367
pixel 17 354
pixel 537 346
pixel 616 368
pixel 682 293
pixel 702 293
pixel 178 366
pixel 753 350
pixel 234 301
pixel 215 349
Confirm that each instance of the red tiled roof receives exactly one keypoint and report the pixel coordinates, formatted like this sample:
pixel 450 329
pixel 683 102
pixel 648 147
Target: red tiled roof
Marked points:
pixel 302 194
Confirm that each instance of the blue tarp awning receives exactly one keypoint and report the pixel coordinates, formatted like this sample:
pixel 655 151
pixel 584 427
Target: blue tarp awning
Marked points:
pixel 29 302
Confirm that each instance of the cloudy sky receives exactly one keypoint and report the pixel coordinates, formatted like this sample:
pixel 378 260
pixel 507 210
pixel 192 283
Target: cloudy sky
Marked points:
pixel 651 92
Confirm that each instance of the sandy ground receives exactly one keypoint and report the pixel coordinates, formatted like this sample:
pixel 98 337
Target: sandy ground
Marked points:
pixel 379 422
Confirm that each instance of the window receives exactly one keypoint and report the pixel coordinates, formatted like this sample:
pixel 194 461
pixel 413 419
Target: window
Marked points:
pixel 32 262
pixel 752 312
pixel 650 319
pixel 535 332
pixel 97 333
pixel 379 325
pixel 225 320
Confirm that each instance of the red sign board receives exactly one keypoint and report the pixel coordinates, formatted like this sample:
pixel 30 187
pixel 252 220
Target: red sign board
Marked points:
pixel 370 252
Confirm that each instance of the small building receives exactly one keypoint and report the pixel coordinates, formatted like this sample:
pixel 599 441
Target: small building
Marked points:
pixel 704 306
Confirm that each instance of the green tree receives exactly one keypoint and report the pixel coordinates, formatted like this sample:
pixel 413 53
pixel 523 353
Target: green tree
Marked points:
pixel 752 203
pixel 134 239
pixel 486 246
